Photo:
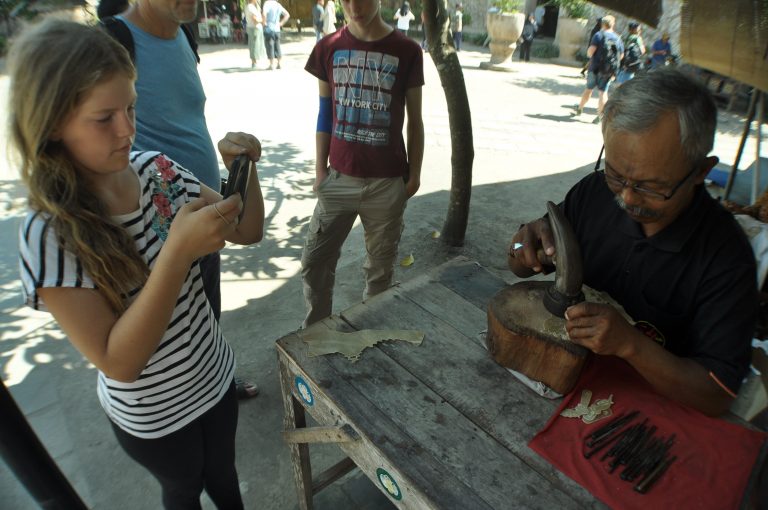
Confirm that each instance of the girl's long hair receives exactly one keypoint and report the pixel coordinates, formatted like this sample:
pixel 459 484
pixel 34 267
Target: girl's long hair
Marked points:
pixel 53 67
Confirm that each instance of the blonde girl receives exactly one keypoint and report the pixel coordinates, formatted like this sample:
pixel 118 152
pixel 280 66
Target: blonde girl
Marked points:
pixel 110 247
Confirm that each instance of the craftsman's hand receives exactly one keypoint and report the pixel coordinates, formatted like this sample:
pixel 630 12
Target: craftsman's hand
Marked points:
pixel 321 173
pixel 537 250
pixel 601 329
pixel 234 144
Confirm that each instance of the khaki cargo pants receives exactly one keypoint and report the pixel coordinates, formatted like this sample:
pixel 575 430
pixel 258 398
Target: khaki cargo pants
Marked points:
pixel 380 202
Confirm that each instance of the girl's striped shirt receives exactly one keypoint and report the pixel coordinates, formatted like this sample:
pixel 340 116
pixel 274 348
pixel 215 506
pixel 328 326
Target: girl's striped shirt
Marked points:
pixel 193 366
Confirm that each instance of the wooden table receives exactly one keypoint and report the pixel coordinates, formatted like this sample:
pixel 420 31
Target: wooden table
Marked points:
pixel 438 425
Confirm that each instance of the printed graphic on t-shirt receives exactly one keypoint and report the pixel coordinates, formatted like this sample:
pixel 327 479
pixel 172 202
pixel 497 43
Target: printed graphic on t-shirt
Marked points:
pixel 363 83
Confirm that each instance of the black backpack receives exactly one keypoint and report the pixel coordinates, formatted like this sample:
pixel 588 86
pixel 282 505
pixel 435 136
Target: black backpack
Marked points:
pixel 122 34
pixel 608 57
pixel 632 56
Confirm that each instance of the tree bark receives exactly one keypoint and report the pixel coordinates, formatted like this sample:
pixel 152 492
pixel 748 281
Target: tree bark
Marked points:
pixel 437 22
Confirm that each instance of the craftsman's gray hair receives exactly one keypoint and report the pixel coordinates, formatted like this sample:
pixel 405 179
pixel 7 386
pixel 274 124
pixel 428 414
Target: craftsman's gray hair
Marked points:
pixel 639 103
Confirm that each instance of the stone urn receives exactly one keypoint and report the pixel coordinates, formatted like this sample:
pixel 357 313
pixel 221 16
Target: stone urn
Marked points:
pixel 570 37
pixel 504 29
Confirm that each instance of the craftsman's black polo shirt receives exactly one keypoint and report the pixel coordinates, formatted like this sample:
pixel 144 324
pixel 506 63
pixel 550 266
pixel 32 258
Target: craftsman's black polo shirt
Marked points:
pixel 692 286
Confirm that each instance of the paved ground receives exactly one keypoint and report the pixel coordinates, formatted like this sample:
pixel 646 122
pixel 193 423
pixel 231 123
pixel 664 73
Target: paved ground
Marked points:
pixel 528 150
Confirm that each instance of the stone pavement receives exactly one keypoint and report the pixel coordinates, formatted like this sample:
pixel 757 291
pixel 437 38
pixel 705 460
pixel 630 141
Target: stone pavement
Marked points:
pixel 528 150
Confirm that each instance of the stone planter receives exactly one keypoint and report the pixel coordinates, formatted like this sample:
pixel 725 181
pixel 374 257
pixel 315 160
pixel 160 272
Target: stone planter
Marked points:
pixel 570 37
pixel 504 30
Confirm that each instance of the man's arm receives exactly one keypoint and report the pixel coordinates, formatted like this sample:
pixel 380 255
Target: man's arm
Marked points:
pixel 591 50
pixel 602 330
pixel 322 140
pixel 415 142
pixel 284 17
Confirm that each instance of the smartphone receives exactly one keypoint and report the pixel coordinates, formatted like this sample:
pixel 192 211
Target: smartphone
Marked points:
pixel 237 182
pixel 238 179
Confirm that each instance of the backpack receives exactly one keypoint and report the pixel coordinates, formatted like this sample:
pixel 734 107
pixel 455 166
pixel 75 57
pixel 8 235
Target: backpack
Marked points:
pixel 632 56
pixel 122 34
pixel 608 57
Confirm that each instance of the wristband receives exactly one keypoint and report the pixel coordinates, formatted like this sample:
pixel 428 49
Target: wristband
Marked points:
pixel 325 115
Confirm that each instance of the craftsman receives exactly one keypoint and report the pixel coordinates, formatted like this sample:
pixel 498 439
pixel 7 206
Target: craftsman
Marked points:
pixel 652 237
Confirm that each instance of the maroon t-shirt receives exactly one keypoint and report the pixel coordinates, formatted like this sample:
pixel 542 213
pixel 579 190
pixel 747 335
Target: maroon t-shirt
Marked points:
pixel 368 84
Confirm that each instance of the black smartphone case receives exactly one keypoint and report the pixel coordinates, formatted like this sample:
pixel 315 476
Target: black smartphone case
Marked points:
pixel 238 177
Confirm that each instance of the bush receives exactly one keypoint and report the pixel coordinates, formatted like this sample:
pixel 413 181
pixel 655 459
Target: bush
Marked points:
pixel 387 14
pixel 466 19
pixel 478 39
pixel 510 5
pixel 581 56
pixel 547 50
pixel 3 45
pixel 575 8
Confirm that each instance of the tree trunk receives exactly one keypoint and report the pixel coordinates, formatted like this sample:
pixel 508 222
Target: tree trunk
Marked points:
pixel 437 22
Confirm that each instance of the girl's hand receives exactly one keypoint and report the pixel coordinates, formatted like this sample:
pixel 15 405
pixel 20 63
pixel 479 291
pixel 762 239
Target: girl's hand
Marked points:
pixel 200 228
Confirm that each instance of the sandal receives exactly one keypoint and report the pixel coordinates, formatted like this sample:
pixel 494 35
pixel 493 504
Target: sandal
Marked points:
pixel 245 389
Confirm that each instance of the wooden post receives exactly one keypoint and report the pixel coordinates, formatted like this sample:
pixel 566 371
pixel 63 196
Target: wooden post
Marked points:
pixel 295 419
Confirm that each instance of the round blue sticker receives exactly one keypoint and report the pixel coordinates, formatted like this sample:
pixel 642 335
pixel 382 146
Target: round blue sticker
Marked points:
pixel 304 392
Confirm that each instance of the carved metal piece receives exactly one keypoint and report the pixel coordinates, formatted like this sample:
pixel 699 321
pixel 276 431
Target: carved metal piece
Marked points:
pixel 566 291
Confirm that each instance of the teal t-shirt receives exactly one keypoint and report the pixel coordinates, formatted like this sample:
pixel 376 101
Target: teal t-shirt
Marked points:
pixel 170 108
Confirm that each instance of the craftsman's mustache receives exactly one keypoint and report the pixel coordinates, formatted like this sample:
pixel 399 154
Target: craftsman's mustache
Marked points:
pixel 636 210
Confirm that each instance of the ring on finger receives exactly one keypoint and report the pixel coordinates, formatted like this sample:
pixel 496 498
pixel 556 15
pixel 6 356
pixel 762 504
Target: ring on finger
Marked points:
pixel 225 220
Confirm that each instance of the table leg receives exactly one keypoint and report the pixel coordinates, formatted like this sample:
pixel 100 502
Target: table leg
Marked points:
pixel 294 418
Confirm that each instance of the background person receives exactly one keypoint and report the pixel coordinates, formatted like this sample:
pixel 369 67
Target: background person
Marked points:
pixel 661 51
pixel 275 16
pixel 329 19
pixel 363 166
pixel 404 16
pixel 457 26
pixel 605 45
pixel 317 19
pixel 634 49
pixel 255 30
pixel 529 32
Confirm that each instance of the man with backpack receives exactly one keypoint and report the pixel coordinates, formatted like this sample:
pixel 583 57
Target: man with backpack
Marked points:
pixel 170 107
pixel 605 52
pixel 634 49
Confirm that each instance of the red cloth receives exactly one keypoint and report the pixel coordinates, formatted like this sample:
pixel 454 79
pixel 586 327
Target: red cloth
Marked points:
pixel 714 457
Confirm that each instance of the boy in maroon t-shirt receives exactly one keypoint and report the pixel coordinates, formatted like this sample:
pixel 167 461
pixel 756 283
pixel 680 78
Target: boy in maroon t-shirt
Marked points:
pixel 369 75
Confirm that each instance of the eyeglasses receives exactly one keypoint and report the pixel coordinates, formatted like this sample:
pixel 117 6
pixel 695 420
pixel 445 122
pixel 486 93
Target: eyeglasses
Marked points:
pixel 617 184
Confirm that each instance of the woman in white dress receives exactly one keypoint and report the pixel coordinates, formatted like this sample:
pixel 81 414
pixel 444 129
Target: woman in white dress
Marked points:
pixel 255 29
pixel 329 18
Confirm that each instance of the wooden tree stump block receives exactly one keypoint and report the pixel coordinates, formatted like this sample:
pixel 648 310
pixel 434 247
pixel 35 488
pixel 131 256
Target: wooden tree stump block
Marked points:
pixel 524 336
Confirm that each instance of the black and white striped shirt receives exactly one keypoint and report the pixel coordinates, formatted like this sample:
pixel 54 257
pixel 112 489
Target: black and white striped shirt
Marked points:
pixel 193 366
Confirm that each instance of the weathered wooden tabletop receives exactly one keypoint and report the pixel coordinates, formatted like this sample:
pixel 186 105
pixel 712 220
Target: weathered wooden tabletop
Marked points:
pixel 442 419
pixel 437 425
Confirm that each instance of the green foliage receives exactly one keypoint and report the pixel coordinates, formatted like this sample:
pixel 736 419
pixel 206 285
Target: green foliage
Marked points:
pixel 387 14
pixel 581 56
pixel 510 5
pixel 478 39
pixel 576 8
pixel 467 19
pixel 3 44
pixel 545 50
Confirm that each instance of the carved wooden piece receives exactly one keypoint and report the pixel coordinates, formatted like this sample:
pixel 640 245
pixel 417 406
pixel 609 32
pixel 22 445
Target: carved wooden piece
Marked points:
pixel 524 336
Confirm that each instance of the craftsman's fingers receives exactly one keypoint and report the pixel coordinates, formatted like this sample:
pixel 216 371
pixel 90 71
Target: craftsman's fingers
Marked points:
pixel 532 253
pixel 585 309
